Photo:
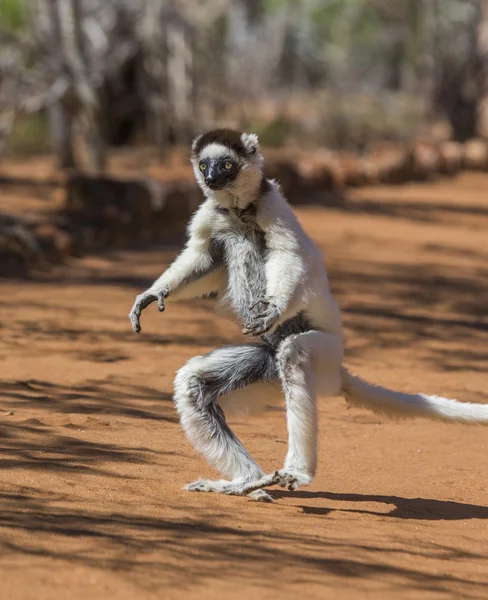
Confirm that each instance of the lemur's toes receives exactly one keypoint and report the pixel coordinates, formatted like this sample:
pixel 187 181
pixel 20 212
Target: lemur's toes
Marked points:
pixel 279 479
pixel 292 481
pixel 292 485
pixel 201 485
pixel 260 496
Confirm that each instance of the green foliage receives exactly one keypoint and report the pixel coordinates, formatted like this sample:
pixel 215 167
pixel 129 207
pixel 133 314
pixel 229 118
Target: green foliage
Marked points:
pixel 272 5
pixel 347 28
pixel 274 133
pixel 29 135
pixel 13 15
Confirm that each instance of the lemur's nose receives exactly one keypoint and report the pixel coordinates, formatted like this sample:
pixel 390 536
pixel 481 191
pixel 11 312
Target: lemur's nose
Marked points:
pixel 210 178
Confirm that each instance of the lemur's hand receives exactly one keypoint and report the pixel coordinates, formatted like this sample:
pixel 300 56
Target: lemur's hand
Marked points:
pixel 264 315
pixel 143 301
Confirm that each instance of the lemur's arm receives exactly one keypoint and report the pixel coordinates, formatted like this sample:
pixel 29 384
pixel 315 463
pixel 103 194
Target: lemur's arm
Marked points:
pixel 191 273
pixel 194 271
pixel 285 270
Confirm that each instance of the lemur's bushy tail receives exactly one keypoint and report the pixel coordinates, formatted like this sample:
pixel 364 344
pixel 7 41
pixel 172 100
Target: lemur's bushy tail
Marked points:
pixel 358 392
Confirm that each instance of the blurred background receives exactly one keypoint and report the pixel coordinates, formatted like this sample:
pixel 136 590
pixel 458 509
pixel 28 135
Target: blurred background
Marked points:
pixel 80 77
pixel 343 93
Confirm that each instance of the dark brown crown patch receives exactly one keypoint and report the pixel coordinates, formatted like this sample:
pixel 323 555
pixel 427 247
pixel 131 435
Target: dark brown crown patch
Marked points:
pixel 227 137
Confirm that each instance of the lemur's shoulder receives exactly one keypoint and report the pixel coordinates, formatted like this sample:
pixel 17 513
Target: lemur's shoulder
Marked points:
pixel 273 209
pixel 201 222
pixel 280 225
pixel 209 219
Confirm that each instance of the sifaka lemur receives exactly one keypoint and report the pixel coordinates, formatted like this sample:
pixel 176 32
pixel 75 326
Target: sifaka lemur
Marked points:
pixel 246 246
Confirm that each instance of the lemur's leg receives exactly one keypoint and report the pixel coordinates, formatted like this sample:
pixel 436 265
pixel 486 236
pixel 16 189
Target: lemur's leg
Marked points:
pixel 308 364
pixel 198 387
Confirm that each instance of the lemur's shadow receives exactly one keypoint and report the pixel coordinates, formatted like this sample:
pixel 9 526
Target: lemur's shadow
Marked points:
pixel 405 508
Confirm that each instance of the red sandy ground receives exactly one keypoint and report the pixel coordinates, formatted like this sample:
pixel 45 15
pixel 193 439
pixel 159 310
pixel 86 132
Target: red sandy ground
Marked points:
pixel 93 461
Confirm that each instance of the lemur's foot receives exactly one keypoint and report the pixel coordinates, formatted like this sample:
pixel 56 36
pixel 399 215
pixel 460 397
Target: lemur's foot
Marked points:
pixel 206 485
pixel 260 496
pixel 253 489
pixel 258 484
pixel 291 479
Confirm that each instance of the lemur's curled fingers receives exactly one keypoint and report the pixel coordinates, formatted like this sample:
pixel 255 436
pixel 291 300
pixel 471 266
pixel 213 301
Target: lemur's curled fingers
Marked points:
pixel 262 301
pixel 143 301
pixel 264 315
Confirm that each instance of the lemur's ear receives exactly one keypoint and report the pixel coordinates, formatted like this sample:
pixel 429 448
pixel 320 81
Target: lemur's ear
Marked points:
pixel 251 142
pixel 194 144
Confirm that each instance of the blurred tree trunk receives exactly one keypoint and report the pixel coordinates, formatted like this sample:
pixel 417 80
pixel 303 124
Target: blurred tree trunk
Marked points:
pixel 61 121
pixel 461 89
pixel 46 27
pixel 155 76
pixel 418 72
pixel 482 46
pixel 395 60
pixel 75 111
pixel 413 46
pixel 180 77
pixel 7 108
pixel 61 129
pixel 80 101
pixel 168 71
pixel 431 12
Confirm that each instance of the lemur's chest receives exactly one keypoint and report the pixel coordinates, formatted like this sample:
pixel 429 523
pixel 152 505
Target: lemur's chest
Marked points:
pixel 240 241
pixel 242 247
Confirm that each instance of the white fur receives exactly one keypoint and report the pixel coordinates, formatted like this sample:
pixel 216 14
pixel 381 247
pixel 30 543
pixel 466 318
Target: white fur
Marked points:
pixel 253 399
pixel 309 364
pixel 400 405
pixel 217 151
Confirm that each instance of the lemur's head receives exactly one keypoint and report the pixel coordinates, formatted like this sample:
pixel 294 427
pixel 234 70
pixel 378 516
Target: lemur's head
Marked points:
pixel 228 166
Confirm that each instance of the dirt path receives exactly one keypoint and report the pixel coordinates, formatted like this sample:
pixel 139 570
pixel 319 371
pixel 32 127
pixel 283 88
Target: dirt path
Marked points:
pixel 93 462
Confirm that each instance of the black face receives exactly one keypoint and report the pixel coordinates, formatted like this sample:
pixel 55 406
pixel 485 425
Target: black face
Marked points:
pixel 218 172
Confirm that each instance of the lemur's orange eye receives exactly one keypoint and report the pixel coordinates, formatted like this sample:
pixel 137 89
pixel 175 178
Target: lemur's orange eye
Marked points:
pixel 228 165
pixel 203 166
